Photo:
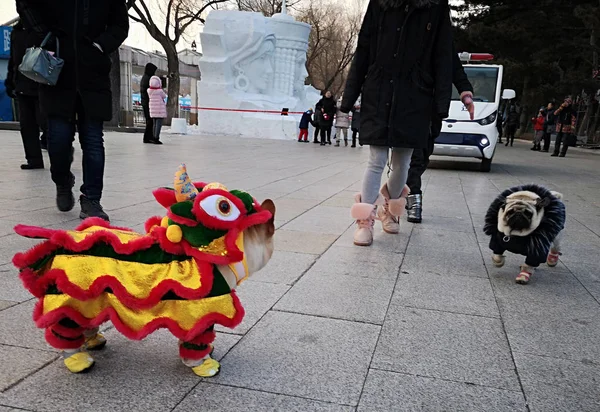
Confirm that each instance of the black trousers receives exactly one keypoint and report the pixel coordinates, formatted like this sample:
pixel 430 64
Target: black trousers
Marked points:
pixel 30 121
pixel 511 130
pixel 561 138
pixel 547 137
pixel 316 135
pixel 149 132
pixel 418 164
pixel 325 134
pixel 354 136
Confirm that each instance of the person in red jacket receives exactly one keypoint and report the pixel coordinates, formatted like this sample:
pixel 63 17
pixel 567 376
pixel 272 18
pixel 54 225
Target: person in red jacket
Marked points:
pixel 538 130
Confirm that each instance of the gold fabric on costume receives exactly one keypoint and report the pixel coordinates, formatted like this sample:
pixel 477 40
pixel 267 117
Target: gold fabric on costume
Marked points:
pixel 124 236
pixel 138 278
pixel 216 247
pixel 186 313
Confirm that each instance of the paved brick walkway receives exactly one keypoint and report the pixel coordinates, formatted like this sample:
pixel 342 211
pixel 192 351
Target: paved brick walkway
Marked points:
pixel 418 322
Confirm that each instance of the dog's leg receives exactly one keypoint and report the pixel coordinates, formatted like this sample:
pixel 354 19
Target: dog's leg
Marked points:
pixel 554 254
pixel 498 260
pixel 71 338
pixel 526 273
pixel 197 355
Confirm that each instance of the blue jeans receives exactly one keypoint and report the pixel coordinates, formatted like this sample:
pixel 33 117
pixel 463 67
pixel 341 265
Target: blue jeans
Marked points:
pixel 61 134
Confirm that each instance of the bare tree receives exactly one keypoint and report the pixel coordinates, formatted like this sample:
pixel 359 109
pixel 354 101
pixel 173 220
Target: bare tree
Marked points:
pixel 332 43
pixel 177 17
pixel 266 7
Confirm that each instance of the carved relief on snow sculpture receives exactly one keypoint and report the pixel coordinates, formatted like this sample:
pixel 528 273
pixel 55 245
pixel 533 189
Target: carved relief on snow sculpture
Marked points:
pixel 252 63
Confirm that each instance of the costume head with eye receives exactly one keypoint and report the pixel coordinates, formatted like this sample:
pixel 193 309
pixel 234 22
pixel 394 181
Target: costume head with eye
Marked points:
pixel 206 220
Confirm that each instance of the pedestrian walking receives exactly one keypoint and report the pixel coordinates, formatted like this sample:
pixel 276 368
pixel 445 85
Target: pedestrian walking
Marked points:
pixel 342 123
pixel 149 71
pixel 538 129
pixel 401 86
pixel 88 32
pixel 355 122
pixel 157 106
pixel 565 127
pixel 549 126
pixel 420 157
pixel 512 123
pixel 25 91
pixel 305 121
pixel 328 109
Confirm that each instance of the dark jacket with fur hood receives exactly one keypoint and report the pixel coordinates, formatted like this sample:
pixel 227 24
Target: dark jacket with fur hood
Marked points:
pixel 537 245
pixel 403 67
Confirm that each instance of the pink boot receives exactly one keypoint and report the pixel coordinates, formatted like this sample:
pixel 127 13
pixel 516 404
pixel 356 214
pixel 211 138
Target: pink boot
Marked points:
pixel 391 211
pixel 364 213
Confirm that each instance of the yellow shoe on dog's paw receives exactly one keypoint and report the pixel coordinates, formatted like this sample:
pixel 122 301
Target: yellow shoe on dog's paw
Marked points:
pixel 79 362
pixel 208 368
pixel 96 342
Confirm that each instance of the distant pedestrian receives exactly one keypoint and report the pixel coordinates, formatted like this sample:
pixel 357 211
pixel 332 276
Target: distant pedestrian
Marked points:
pixel 355 122
pixel 317 121
pixel 512 123
pixel 538 129
pixel 149 71
pixel 25 91
pixel 342 123
pixel 549 126
pixel 305 122
pixel 565 126
pixel 157 106
pixel 328 109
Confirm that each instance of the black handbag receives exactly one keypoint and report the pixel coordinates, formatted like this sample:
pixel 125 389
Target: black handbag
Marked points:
pixel 40 65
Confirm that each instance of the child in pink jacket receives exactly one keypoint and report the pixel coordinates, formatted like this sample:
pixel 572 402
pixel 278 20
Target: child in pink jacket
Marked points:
pixel 158 107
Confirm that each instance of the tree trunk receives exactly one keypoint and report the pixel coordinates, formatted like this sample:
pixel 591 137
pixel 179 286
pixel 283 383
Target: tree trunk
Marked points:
pixel 115 88
pixel 525 106
pixel 173 84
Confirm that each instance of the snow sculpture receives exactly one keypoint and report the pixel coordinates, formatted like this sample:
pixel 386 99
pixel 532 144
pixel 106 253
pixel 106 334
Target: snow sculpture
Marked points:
pixel 252 68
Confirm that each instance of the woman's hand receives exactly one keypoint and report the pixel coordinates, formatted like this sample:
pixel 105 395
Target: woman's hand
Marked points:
pixel 467 99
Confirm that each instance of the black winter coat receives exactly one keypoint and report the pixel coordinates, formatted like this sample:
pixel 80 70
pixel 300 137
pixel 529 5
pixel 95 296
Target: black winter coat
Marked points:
pixel 15 82
pixel 403 67
pixel 329 108
pixel 149 71
pixel 78 24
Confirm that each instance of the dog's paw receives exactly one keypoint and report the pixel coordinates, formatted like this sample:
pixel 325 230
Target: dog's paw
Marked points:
pixel 552 260
pixel 498 260
pixel 208 368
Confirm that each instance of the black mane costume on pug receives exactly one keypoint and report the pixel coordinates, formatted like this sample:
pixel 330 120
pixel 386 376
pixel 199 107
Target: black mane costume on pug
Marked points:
pixel 536 245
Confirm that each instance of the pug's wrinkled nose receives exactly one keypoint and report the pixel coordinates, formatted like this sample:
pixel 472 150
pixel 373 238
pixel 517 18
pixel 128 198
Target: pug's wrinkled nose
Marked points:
pixel 518 221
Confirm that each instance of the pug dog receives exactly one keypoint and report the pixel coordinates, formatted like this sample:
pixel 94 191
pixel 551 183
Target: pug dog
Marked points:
pixel 526 220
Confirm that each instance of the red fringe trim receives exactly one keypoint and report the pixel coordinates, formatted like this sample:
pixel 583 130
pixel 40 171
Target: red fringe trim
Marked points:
pixel 185 353
pixel 38 285
pixel 109 314
pixel 165 197
pixel 69 333
pixel 96 221
pixel 62 344
pixel 151 222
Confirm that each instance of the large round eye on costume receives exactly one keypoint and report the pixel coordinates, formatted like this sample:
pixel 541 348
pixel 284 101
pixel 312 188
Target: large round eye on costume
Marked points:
pixel 220 208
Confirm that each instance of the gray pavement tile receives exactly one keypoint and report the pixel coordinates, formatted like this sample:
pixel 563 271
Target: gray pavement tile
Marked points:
pixel 335 295
pixel 445 263
pixel 18 363
pixel 128 375
pixel 257 298
pixel 11 287
pixel 223 344
pixel 285 268
pixel 563 330
pixel 458 294
pixel 552 384
pixel 344 199
pixel 389 391
pixel 288 209
pixel 299 355
pixel 303 242
pixel 11 244
pixel 423 241
pixel 434 222
pixel 359 262
pixel 5 304
pixel 448 346
pixel 325 219
pixel 17 328
pixel 215 398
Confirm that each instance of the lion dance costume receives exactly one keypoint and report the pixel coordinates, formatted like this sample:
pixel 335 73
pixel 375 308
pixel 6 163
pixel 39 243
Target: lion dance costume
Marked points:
pixel 165 278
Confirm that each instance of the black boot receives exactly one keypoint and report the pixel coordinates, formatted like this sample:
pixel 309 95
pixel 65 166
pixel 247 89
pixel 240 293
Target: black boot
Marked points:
pixel 91 208
pixel 64 196
pixel 32 166
pixel 414 205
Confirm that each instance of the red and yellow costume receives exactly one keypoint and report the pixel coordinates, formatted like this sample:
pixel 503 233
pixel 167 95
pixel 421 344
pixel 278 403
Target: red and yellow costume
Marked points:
pixel 165 278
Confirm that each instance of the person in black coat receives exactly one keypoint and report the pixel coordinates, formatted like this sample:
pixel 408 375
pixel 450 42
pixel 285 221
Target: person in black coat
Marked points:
pixel 149 71
pixel 328 108
pixel 549 126
pixel 512 124
pixel 85 33
pixel 26 93
pixel 420 158
pixel 317 121
pixel 565 127
pixel 403 68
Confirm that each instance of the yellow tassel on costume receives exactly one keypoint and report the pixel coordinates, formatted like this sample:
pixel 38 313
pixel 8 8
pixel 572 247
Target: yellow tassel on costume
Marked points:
pixel 174 234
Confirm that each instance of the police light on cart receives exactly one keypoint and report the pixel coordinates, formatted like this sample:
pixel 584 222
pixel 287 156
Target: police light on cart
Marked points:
pixel 466 57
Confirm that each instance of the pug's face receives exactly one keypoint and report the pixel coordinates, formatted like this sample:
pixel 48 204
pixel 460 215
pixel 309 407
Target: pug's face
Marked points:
pixel 521 214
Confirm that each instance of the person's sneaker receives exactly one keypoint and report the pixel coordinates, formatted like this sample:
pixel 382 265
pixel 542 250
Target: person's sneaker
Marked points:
pixel 32 166
pixel 554 155
pixel 91 208
pixel 562 155
pixel 65 201
pixel 156 141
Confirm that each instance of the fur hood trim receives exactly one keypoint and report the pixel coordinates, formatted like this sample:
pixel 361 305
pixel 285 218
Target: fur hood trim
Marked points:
pixel 390 4
pixel 551 225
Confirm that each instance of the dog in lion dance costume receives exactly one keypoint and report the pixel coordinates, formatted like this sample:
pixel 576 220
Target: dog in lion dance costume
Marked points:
pixel 179 275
